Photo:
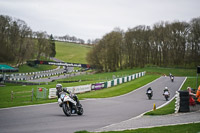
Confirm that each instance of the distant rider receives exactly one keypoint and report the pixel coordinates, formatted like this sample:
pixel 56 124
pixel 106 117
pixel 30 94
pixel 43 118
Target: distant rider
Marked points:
pixel 59 89
pixel 170 75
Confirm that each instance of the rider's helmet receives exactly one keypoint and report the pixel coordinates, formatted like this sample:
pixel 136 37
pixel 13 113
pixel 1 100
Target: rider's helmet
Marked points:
pixel 59 87
pixel 166 89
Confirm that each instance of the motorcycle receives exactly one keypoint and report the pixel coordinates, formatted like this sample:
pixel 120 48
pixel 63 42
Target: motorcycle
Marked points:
pixel 166 95
pixel 69 105
pixel 149 94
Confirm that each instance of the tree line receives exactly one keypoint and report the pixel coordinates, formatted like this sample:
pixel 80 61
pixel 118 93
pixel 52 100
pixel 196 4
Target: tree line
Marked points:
pixel 68 38
pixel 165 44
pixel 19 43
pixel 73 39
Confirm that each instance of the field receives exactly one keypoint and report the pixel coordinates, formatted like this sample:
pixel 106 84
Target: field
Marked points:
pixel 71 52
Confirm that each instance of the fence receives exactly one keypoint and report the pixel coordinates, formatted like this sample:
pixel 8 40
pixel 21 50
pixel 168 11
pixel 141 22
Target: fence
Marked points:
pixel 25 94
pixel 41 93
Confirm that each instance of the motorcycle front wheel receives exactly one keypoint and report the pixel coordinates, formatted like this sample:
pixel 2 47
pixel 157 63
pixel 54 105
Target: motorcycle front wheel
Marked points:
pixel 66 109
pixel 80 110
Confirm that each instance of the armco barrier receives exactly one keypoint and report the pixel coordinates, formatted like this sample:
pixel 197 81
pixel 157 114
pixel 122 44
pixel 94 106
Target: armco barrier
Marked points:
pixel 115 82
pixel 52 93
pixel 97 86
pixel 107 84
pixel 125 79
pixel 75 89
pixel 32 73
pixel 120 80
pixel 80 89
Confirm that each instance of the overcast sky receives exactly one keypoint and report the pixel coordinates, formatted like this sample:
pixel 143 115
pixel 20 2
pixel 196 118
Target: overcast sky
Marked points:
pixel 90 19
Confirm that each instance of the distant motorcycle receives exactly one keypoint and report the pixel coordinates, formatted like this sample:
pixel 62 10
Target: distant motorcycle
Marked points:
pixel 69 105
pixel 149 93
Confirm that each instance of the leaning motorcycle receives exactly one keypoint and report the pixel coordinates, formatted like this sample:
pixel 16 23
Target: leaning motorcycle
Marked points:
pixel 149 94
pixel 69 105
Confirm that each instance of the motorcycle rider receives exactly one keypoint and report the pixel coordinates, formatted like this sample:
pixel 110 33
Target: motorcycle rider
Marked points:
pixel 59 89
pixel 170 75
pixel 166 91
pixel 149 90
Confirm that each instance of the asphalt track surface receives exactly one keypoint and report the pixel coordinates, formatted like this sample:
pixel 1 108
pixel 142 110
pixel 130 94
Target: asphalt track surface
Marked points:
pixel 98 113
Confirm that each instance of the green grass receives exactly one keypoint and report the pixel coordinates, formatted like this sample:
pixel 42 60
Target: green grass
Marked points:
pixel 174 71
pixel 169 109
pixel 120 89
pixel 184 128
pixel 71 52
pixel 104 76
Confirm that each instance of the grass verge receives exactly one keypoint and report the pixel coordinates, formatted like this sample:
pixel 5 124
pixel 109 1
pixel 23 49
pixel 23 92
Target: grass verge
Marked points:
pixel 120 89
pixel 184 128
pixel 71 52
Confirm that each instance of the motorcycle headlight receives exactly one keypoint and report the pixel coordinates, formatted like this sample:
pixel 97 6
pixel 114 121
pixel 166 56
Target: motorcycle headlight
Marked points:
pixel 62 96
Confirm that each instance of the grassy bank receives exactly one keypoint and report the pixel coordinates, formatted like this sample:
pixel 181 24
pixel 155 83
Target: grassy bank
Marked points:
pixel 120 89
pixel 71 52
pixel 184 128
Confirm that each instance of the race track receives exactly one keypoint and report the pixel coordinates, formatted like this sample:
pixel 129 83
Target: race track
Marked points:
pixel 98 113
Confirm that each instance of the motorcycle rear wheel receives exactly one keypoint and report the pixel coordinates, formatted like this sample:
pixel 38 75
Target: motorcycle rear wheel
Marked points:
pixel 166 97
pixel 149 97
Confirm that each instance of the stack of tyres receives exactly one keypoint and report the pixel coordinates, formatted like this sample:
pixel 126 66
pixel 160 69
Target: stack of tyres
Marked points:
pixel 184 101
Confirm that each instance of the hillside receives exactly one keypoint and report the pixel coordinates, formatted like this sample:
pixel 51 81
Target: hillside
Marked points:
pixel 71 52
